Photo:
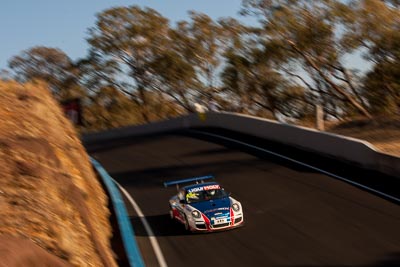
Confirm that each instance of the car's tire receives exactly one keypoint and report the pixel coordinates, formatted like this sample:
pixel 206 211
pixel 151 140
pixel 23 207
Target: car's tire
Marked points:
pixel 186 224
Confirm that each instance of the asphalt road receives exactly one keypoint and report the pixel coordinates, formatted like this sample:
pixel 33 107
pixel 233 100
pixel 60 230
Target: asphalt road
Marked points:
pixel 294 216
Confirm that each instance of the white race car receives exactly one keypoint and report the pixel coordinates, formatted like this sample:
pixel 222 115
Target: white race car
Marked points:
pixel 204 207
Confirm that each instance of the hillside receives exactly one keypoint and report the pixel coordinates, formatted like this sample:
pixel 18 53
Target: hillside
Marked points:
pixel 383 133
pixel 53 210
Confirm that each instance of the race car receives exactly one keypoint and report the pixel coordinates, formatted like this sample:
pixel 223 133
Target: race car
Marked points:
pixel 204 206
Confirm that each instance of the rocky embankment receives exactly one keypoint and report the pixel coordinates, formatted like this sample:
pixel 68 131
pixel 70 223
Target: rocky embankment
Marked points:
pixel 53 210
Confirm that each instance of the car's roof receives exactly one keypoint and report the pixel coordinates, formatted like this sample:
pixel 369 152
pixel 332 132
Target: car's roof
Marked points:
pixel 188 187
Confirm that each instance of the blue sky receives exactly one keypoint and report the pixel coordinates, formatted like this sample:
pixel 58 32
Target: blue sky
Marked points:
pixel 63 24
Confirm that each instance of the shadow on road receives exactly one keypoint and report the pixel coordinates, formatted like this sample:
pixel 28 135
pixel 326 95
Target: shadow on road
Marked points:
pixel 391 260
pixel 161 225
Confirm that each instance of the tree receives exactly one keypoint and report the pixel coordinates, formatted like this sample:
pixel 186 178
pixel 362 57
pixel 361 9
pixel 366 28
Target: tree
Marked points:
pixel 255 79
pixel 109 108
pixel 175 68
pixel 382 88
pixel 5 75
pixel 374 28
pixel 205 49
pixel 176 77
pixel 96 73
pixel 306 33
pixel 131 37
pixel 49 64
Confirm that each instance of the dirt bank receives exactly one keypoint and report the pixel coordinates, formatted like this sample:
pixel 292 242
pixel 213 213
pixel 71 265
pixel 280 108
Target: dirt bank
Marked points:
pixel 383 132
pixel 50 198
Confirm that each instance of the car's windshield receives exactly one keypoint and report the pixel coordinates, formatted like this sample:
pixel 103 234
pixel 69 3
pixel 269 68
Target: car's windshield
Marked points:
pixel 205 195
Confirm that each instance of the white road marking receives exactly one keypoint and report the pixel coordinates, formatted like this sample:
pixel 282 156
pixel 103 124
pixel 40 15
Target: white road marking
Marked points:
pixel 150 233
pixel 303 164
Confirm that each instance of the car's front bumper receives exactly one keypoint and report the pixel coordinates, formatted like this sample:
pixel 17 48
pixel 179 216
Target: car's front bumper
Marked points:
pixel 201 226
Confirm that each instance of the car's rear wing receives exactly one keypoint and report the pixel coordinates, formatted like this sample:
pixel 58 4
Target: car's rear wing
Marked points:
pixel 188 180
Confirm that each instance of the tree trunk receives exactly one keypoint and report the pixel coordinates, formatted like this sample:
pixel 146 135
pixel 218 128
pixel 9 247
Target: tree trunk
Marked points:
pixel 143 104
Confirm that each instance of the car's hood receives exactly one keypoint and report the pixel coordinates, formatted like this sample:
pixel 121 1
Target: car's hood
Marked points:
pixel 214 208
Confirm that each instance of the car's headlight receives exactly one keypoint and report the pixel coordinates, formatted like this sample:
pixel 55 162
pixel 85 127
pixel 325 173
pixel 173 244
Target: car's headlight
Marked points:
pixel 235 207
pixel 196 214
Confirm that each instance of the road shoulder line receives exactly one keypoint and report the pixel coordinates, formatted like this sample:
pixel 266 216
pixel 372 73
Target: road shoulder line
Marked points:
pixel 150 233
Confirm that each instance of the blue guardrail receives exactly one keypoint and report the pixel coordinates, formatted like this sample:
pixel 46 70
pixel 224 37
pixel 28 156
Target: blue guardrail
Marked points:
pixel 128 237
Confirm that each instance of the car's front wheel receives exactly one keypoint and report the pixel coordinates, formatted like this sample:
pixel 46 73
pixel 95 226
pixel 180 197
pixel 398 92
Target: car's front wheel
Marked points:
pixel 186 224
pixel 171 212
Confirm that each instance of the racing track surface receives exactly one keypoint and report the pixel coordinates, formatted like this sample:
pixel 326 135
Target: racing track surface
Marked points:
pixel 294 216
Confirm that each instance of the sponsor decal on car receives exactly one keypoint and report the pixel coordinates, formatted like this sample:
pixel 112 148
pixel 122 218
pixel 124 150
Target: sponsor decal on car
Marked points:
pixel 217 209
pixel 212 187
pixel 202 188
pixel 196 189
